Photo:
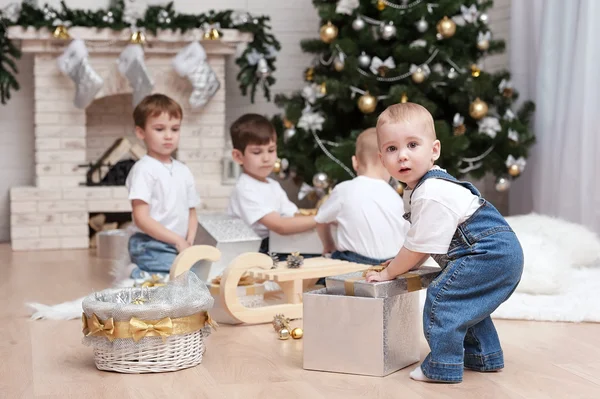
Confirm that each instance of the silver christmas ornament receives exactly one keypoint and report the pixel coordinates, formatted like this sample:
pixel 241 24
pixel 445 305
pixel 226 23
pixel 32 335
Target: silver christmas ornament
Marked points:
pixel 502 184
pixel 484 18
pixel 321 180
pixel 358 24
pixel 388 31
pixel 364 61
pixel 439 36
pixel 262 68
pixel 288 134
pixel 452 74
pixel 422 25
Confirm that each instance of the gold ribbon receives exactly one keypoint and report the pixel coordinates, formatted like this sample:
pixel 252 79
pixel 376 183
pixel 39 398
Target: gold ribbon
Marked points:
pixel 138 329
pixel 98 328
pixel 154 282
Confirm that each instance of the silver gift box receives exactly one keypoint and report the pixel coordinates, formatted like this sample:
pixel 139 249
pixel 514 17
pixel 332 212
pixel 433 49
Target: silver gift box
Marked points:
pixel 228 234
pixel 356 335
pixel 354 284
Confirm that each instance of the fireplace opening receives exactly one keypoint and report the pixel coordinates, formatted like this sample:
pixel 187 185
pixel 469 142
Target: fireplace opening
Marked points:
pixel 103 221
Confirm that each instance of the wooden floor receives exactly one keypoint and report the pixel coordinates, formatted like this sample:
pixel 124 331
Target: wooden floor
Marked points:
pixel 45 359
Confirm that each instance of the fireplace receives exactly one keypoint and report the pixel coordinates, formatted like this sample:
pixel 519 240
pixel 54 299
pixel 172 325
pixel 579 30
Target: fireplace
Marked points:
pixel 54 213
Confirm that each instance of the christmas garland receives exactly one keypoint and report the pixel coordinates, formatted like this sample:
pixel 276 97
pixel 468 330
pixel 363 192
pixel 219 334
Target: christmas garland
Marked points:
pixel 254 72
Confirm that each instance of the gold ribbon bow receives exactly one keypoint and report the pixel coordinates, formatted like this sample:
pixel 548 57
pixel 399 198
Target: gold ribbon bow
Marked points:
pixel 154 282
pixel 98 328
pixel 139 328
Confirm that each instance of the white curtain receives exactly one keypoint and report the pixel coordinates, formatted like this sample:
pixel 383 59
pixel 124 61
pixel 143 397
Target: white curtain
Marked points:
pixel 555 61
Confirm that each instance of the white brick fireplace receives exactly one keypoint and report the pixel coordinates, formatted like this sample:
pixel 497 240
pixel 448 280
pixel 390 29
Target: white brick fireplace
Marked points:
pixel 54 213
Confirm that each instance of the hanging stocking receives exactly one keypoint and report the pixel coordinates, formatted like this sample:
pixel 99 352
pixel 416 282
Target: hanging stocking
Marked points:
pixel 191 63
pixel 74 63
pixel 131 65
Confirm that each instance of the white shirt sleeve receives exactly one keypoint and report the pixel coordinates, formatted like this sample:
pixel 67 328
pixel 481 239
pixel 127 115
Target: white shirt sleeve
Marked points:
pixel 139 183
pixel 287 208
pixel 252 207
pixel 432 227
pixel 330 209
pixel 192 194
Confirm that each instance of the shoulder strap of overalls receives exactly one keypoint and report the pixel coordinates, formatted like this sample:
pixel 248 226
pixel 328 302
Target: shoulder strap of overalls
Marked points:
pixel 440 174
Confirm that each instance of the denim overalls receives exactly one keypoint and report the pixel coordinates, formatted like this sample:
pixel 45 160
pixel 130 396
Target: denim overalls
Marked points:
pixel 481 270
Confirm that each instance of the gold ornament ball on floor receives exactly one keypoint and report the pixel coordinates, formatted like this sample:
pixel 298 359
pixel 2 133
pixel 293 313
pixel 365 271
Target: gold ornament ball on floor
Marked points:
pixel 483 45
pixel 478 109
pixel 297 333
pixel 418 76
pixel 446 27
pixel 328 32
pixel 277 166
pixel 367 103
pixel 514 171
pixel 284 334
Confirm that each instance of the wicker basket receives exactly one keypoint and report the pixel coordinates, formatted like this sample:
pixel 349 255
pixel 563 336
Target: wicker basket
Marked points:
pixel 148 329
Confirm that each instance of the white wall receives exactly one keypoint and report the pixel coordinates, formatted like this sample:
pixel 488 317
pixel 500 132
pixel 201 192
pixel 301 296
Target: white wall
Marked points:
pixel 291 21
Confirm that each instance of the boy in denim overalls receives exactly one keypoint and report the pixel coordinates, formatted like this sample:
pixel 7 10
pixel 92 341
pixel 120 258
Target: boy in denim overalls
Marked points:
pixel 480 255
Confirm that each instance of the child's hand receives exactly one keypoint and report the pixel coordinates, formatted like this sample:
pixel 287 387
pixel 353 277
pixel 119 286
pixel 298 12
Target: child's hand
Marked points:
pixel 374 276
pixel 181 245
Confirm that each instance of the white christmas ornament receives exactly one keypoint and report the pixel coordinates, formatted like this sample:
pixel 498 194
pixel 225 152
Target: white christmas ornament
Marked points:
pixel 422 25
pixel 520 162
pixel 134 10
pixel 509 115
pixel 312 92
pixel 311 121
pixel 418 43
pixel 490 126
pixel 388 31
pixel 358 24
pixel 364 60
pixel 377 63
pixel 346 6
pixel 469 14
pixel 458 120
pixel 239 17
pixel 513 135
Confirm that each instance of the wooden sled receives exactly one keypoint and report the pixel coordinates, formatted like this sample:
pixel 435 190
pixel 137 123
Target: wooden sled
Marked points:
pixel 259 266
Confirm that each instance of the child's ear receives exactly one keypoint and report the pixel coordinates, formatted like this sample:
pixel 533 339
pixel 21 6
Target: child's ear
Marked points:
pixel 355 163
pixel 139 133
pixel 237 156
pixel 437 148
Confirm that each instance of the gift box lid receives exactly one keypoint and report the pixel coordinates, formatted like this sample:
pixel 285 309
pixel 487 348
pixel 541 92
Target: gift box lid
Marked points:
pixel 355 284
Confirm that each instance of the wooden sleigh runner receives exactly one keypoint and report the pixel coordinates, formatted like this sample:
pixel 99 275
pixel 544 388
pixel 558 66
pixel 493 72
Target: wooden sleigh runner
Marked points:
pixel 260 267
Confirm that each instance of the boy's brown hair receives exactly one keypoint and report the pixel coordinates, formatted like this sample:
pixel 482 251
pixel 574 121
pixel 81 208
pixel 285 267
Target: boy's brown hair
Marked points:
pixel 154 105
pixel 251 129
pixel 367 150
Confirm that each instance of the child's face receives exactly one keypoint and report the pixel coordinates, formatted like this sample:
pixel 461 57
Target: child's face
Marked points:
pixel 161 135
pixel 407 150
pixel 258 160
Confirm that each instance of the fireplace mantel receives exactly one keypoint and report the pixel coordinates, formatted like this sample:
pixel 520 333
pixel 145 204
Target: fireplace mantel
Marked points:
pixel 109 41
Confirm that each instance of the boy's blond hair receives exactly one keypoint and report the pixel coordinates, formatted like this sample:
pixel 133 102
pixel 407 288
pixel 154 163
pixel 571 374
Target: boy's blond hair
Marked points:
pixel 154 105
pixel 407 113
pixel 367 150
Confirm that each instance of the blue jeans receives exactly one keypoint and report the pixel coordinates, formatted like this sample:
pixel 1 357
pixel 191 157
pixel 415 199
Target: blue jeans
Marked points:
pixel 481 269
pixel 150 255
pixel 352 257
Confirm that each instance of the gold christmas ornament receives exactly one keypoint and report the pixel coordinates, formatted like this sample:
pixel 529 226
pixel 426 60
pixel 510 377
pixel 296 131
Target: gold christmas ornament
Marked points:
pixel 323 88
pixel 483 45
pixel 138 37
pixel 284 334
pixel 404 98
pixel 446 27
pixel 287 123
pixel 400 189
pixel 475 71
pixel 297 333
pixel 328 32
pixel 367 103
pixel 478 109
pixel 309 75
pixel 61 32
pixel 212 34
pixel 380 5
pixel 277 166
pixel 460 130
pixel 418 76
pixel 514 170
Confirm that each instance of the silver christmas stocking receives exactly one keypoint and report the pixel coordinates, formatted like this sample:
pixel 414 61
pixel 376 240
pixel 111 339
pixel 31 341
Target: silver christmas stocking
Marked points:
pixel 131 65
pixel 74 63
pixel 191 63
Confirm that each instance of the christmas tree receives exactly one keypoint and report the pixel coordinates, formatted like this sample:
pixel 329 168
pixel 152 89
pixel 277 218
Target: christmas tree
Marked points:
pixel 374 53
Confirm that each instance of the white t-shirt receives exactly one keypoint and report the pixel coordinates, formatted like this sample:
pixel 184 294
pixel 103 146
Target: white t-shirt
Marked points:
pixel 369 216
pixel 169 189
pixel 253 199
pixel 438 206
